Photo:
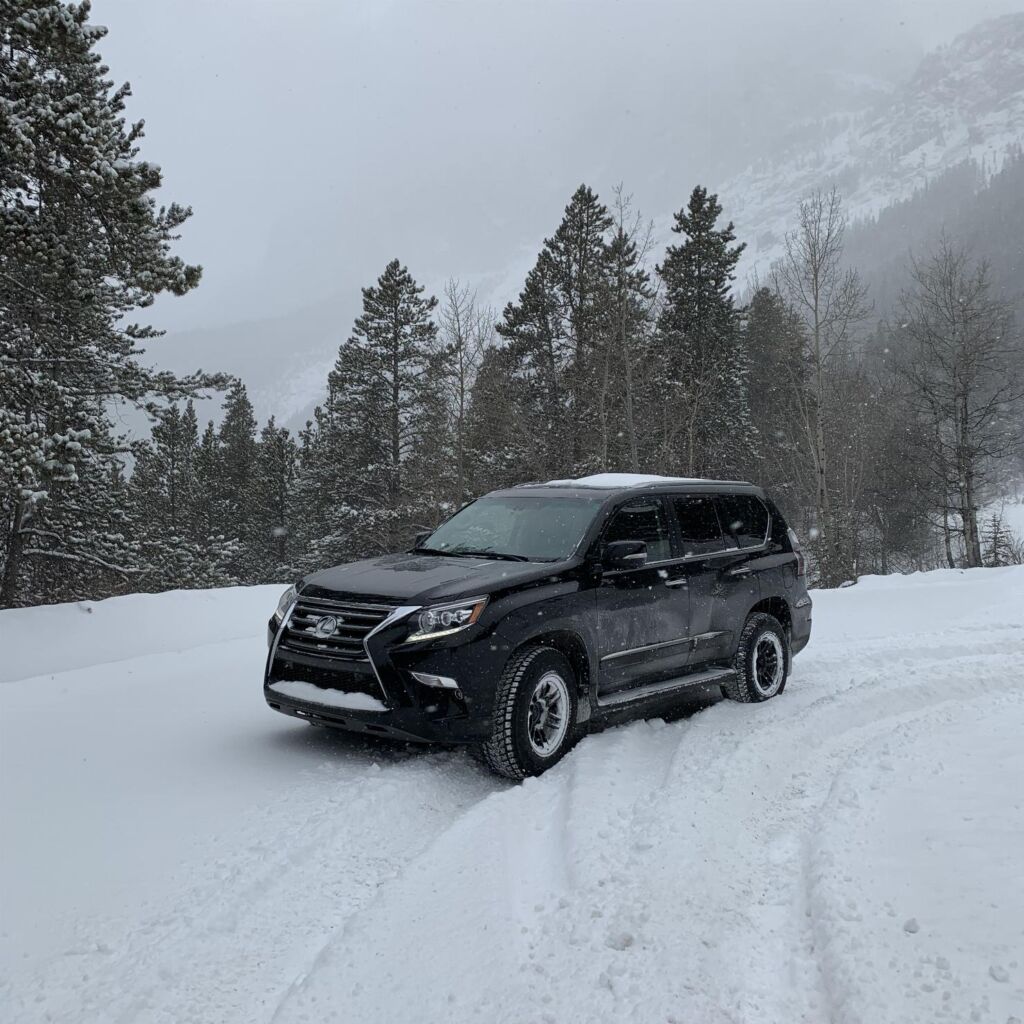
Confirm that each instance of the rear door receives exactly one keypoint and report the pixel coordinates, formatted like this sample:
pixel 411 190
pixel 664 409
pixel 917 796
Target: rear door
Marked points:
pixel 643 614
pixel 745 522
pixel 703 545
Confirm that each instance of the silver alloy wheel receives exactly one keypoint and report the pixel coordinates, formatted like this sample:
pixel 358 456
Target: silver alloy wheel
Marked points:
pixel 769 664
pixel 548 719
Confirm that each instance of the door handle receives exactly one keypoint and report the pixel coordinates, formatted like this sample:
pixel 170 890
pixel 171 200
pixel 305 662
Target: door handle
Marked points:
pixel 677 583
pixel 743 570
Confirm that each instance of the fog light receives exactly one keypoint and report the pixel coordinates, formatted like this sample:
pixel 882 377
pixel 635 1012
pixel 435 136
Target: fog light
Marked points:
pixel 441 682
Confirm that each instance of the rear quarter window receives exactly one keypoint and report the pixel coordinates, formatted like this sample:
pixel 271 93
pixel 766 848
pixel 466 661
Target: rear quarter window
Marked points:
pixel 744 518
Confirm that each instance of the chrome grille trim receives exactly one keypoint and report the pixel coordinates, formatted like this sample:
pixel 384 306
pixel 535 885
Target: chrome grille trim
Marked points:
pixel 357 622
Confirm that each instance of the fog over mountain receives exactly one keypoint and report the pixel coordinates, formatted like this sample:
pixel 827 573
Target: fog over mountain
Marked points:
pixel 317 140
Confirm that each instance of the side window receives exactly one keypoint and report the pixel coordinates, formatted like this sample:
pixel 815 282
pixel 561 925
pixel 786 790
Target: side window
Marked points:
pixel 642 520
pixel 744 517
pixel 698 524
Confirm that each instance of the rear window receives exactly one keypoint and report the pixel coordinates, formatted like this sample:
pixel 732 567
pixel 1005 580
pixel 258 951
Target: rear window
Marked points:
pixel 699 528
pixel 744 518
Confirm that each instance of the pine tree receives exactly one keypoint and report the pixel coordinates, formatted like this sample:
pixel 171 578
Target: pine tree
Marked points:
pixel 233 492
pixel 499 444
pixel 774 343
pixel 276 467
pixel 554 332
pixel 705 366
pixel 82 244
pixel 380 416
pixel 168 510
pixel 91 516
pixel 627 307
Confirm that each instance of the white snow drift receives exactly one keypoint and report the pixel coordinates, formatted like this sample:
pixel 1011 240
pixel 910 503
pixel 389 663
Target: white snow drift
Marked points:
pixel 852 851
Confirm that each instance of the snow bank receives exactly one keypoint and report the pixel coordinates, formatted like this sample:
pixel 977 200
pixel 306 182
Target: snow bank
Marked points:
pixel 42 641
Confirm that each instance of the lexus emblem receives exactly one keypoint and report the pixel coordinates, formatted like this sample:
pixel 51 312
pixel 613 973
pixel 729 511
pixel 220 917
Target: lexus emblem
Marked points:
pixel 327 625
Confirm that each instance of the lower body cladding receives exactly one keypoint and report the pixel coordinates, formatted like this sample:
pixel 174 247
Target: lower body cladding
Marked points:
pixel 428 694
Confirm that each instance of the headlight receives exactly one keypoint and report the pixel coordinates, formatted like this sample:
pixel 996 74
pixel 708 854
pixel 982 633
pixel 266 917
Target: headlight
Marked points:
pixel 287 600
pixel 444 619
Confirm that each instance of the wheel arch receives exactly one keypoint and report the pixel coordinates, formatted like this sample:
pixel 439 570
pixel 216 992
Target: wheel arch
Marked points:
pixel 778 607
pixel 573 648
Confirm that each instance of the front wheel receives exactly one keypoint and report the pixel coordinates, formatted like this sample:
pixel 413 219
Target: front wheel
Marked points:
pixel 534 714
pixel 762 660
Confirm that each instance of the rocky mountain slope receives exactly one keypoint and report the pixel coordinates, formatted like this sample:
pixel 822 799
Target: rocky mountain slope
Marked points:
pixel 965 102
pixel 952 127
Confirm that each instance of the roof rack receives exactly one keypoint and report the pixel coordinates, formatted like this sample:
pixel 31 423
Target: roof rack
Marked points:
pixel 630 481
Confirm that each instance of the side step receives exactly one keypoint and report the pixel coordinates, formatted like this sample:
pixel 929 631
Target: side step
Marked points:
pixel 711 675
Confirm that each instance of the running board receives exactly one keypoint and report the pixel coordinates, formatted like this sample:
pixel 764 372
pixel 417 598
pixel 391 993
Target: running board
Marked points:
pixel 711 675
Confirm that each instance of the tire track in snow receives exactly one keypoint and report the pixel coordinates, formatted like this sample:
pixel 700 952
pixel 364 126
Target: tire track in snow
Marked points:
pixel 220 950
pixel 943 974
pixel 686 896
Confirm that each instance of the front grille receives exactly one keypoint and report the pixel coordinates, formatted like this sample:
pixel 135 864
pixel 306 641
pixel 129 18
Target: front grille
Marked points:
pixel 353 620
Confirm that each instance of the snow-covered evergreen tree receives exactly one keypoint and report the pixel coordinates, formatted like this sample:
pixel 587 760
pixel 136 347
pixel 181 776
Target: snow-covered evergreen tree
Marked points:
pixel 233 490
pixel 82 244
pixel 555 333
pixel 357 494
pixel 705 365
pixel 169 509
pixel 273 501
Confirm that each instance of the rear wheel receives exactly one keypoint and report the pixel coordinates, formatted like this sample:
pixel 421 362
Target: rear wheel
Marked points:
pixel 762 660
pixel 534 714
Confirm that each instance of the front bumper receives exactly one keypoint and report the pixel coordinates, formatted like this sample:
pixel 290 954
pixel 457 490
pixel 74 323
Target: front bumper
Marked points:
pixel 413 710
pixel 409 725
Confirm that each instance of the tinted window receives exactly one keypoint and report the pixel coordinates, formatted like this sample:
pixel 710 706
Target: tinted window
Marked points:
pixel 644 521
pixel 698 524
pixel 744 517
pixel 542 529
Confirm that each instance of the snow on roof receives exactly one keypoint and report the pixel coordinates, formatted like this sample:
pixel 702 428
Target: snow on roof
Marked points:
pixel 612 480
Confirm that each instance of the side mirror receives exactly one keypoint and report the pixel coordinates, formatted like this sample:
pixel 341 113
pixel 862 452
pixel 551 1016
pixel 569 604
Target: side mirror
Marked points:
pixel 624 554
pixel 421 537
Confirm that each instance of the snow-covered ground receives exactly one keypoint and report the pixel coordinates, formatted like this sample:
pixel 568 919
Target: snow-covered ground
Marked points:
pixel 174 852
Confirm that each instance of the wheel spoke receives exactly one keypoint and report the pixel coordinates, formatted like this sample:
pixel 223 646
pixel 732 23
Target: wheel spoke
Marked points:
pixel 548 714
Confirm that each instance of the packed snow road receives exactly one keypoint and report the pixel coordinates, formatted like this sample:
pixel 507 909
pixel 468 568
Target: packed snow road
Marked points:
pixel 172 851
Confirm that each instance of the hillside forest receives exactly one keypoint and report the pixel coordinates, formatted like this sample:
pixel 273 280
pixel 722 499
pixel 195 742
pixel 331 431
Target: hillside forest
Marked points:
pixel 873 379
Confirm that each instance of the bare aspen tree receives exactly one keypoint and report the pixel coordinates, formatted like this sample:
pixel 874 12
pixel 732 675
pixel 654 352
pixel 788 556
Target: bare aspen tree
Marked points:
pixel 960 359
pixel 831 302
pixel 466 331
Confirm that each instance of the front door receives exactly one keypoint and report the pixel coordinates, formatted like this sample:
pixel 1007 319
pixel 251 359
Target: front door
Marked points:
pixel 643 614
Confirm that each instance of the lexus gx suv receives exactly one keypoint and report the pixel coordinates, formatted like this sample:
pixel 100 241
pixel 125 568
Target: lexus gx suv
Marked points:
pixel 536 614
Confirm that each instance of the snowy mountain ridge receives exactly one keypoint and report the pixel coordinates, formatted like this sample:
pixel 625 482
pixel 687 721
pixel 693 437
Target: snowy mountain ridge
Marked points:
pixel 965 102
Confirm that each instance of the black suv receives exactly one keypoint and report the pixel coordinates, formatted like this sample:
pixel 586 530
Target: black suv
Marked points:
pixel 537 613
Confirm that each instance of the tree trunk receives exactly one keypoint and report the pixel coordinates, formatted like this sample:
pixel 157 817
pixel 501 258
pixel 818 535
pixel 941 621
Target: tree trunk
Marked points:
pixel 12 563
pixel 947 538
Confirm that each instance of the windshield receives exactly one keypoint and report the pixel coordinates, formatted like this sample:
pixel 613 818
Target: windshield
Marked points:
pixel 538 529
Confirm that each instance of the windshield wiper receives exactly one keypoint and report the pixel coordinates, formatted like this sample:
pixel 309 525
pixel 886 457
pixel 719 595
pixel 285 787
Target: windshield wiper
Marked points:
pixel 485 553
pixel 429 551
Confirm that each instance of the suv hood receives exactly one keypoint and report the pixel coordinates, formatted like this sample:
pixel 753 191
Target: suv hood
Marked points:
pixel 422 579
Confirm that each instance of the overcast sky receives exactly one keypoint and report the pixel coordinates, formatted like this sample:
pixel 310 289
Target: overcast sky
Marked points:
pixel 316 139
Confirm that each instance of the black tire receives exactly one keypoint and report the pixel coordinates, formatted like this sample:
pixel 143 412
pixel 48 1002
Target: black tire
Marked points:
pixel 510 750
pixel 763 637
